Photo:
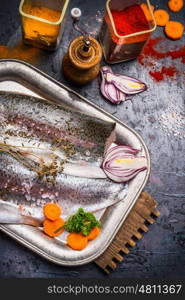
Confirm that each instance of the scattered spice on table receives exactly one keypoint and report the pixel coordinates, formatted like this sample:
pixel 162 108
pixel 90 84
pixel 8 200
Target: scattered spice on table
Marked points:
pixel 151 55
pixel 172 120
pixel 20 51
pixel 151 51
pixel 165 71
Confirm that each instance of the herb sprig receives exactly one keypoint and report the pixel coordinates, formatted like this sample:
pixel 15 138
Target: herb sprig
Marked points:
pixel 81 222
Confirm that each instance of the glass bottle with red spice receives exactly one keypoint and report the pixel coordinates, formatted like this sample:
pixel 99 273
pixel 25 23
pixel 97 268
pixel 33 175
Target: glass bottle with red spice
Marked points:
pixel 126 27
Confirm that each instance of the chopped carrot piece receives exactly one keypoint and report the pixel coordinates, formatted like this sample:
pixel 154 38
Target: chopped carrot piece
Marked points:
pixel 94 233
pixel 147 12
pixel 175 5
pixel 52 211
pixel 77 241
pixel 53 228
pixel 161 16
pixel 174 30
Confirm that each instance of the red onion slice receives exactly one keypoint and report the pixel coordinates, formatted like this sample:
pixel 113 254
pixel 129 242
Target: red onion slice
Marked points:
pixel 121 163
pixel 113 94
pixel 109 90
pixel 118 88
pixel 125 84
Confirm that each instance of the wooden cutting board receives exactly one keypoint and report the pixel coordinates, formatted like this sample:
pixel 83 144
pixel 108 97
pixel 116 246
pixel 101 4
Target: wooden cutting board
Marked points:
pixel 141 216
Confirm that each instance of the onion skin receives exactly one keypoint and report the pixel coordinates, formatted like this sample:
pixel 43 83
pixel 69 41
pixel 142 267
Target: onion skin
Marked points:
pixel 121 163
pixel 118 88
pixel 125 84
pixel 109 90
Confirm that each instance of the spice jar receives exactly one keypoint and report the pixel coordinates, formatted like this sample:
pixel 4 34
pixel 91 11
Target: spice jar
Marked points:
pixel 81 63
pixel 126 27
pixel 43 22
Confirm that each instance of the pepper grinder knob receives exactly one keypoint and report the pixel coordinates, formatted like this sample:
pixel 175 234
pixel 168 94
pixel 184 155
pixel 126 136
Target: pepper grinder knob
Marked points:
pixel 76 13
pixel 87 45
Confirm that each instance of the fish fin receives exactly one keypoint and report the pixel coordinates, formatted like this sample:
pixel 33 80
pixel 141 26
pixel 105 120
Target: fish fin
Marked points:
pixel 11 214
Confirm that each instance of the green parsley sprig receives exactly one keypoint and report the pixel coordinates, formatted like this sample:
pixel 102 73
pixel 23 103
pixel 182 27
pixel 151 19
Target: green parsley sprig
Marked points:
pixel 81 222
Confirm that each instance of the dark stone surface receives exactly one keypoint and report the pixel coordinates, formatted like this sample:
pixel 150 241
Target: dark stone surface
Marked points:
pixel 161 253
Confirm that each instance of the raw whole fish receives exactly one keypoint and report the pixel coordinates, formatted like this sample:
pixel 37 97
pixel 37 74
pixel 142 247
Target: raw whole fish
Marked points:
pixel 23 187
pixel 43 132
pixel 30 122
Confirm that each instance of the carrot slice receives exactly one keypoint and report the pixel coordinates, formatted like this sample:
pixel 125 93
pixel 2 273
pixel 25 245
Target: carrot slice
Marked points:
pixel 53 228
pixel 146 11
pixel 175 5
pixel 94 233
pixel 174 30
pixel 161 16
pixel 77 241
pixel 52 211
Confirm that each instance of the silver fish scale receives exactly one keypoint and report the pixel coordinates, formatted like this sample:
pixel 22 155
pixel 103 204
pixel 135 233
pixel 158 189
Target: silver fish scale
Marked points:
pixel 49 123
pixel 23 186
pixel 28 120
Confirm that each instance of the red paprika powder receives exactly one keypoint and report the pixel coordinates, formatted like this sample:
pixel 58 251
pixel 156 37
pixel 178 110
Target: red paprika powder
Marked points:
pixel 118 24
pixel 130 20
pixel 150 51
pixel 165 71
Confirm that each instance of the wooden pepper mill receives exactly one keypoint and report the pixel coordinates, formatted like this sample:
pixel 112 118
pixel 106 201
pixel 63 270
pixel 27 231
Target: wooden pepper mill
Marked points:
pixel 81 63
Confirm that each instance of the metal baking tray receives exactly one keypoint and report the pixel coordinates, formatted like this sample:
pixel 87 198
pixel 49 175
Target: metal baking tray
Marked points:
pixel 17 76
